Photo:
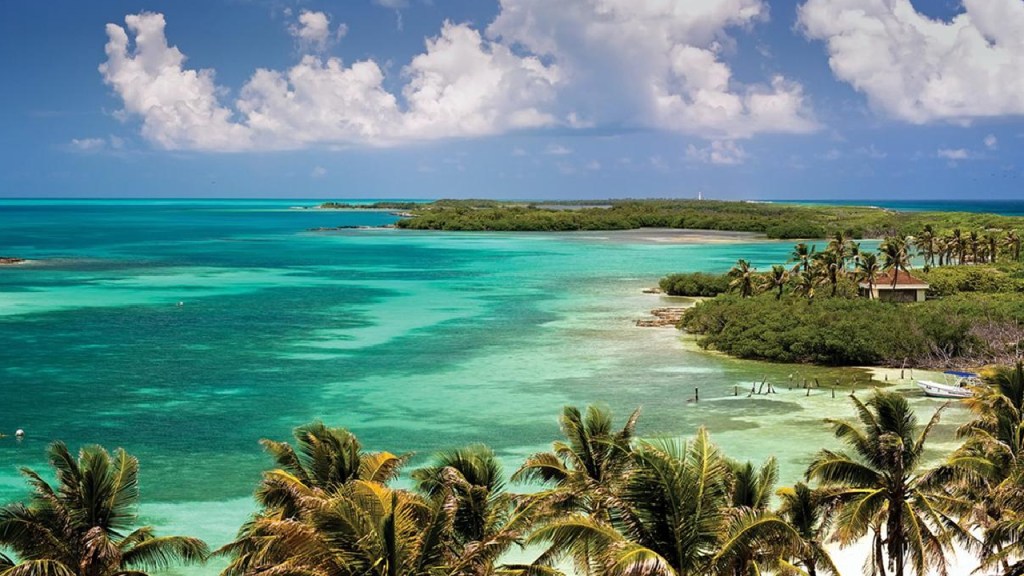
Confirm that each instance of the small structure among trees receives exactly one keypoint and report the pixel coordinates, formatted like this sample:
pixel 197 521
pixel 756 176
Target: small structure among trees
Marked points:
pixel 895 286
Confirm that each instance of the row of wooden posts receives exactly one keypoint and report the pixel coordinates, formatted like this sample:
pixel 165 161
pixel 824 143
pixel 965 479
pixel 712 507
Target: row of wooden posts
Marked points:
pixel 765 387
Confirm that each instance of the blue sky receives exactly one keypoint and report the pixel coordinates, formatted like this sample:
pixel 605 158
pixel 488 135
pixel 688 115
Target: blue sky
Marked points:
pixel 809 99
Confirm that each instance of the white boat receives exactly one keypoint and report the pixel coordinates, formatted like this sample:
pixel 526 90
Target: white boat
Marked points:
pixel 957 385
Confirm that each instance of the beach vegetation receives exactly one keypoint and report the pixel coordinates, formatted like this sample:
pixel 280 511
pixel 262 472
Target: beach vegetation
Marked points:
pixel 882 489
pixel 86 524
pixel 604 499
pixel 697 284
pixel 775 220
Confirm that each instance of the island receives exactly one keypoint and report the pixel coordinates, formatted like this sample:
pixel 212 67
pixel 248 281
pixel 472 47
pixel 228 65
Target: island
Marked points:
pixel 10 260
pixel 961 305
pixel 774 220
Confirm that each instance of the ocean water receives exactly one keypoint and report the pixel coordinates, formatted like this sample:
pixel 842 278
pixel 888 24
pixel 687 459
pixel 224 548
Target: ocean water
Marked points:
pixel 416 341
pixel 1003 207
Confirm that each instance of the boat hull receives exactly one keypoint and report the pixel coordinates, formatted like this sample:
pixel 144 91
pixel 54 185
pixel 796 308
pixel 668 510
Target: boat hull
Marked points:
pixel 936 390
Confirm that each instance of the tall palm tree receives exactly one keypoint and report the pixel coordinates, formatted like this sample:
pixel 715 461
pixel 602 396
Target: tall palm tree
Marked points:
pixel 831 266
pixel 927 244
pixel 805 283
pixel 487 520
pixel 897 258
pixel 362 529
pixel 959 245
pixel 807 511
pixel 752 536
pixel 974 242
pixel 83 525
pixel 672 517
pixel 992 242
pixel 777 280
pixel 882 487
pixel 801 255
pixel 744 278
pixel 990 466
pixel 588 467
pixel 322 463
pixel 1012 244
pixel 868 270
pixel 842 246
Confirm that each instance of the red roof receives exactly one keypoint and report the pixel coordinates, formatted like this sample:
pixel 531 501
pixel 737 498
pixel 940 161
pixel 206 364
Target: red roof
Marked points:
pixel 903 280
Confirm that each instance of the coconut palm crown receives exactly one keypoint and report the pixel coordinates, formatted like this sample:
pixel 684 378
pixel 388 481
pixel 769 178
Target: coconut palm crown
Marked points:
pixel 85 525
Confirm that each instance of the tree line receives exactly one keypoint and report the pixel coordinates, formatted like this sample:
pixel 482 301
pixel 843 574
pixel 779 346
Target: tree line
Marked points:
pixel 602 500
pixel 787 221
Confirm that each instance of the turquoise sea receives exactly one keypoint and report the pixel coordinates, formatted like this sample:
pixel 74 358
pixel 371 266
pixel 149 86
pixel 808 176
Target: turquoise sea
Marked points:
pixel 416 341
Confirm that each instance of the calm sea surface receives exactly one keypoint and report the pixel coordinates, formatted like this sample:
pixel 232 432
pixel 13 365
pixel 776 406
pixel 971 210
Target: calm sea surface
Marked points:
pixel 415 341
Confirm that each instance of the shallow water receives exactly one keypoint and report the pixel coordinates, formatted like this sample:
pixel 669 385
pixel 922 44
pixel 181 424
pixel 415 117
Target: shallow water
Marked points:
pixel 416 341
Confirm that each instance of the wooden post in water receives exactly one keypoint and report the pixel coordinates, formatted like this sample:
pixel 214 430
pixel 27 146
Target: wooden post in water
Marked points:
pixel 735 390
pixel 833 392
pixel 696 394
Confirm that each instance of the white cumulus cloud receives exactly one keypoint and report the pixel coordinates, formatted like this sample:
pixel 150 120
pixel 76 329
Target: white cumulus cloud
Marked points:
pixel 919 69
pixel 654 64
pixel 462 85
pixel 88 144
pixel 991 142
pixel 313 31
pixel 953 153
pixel 575 63
pixel 721 152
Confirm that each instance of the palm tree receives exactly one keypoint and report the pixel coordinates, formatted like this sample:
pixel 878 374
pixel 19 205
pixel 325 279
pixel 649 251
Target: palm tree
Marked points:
pixel 831 266
pixel 868 270
pixel 744 278
pixel 807 511
pixel 989 466
pixel 323 462
pixel 805 284
pixel 959 245
pixel 882 488
pixel 1011 242
pixel 362 529
pixel 754 538
pixel 842 246
pixel 83 526
pixel 992 242
pixel 974 242
pixel 927 244
pixel 894 249
pixel 588 467
pixel 777 280
pixel 672 517
pixel 487 521
pixel 801 254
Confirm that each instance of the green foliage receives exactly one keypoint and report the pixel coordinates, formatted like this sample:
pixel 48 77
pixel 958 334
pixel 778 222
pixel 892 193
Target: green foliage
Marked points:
pixel 848 331
pixel 774 220
pixel 83 526
pixel 947 280
pixel 694 284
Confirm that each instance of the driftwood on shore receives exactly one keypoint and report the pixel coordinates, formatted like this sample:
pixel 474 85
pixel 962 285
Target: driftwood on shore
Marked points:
pixel 662 317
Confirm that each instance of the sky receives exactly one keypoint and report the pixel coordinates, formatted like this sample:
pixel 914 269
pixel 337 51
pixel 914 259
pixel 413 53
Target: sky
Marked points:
pixel 516 99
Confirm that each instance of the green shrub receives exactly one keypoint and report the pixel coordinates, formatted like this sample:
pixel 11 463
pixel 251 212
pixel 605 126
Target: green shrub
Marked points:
pixel 848 331
pixel 694 284
pixel 948 280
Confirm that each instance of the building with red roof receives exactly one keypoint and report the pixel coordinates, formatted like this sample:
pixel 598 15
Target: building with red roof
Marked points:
pixel 907 288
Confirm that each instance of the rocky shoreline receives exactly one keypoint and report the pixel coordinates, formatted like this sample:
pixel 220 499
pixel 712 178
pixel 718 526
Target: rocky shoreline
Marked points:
pixel 11 260
pixel 663 317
